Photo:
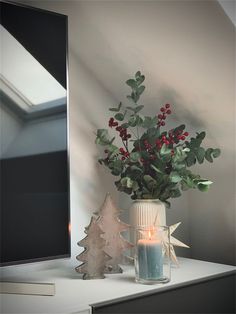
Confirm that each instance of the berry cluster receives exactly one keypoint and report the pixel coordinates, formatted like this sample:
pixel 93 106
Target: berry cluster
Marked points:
pixel 112 122
pixel 164 140
pixel 172 138
pixel 125 154
pixel 147 145
pixel 123 133
pixel 162 116
pixel 179 135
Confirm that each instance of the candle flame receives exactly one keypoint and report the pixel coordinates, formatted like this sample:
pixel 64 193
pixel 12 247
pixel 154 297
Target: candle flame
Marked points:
pixel 149 234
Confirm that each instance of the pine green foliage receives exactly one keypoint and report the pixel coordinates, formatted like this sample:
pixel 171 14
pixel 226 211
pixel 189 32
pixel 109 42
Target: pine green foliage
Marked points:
pixel 153 163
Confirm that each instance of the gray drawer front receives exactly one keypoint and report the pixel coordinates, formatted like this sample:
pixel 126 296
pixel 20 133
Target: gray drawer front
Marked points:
pixel 212 296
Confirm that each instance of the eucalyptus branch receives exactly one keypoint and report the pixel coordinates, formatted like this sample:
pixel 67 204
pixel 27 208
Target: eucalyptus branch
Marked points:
pixel 160 167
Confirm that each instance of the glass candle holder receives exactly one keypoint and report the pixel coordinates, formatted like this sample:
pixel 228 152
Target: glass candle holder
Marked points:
pixel 152 255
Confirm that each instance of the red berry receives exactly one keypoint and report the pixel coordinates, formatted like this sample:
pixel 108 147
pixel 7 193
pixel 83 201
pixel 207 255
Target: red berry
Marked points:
pixel 162 123
pixel 163 109
pixel 186 133
pixel 142 160
pixel 159 116
pixel 121 149
pixel 163 116
pixel 167 106
pixel 168 111
pixel 182 137
pixel 167 142
pixel 123 158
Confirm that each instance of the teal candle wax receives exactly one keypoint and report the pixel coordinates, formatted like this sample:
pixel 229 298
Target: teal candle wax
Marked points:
pixel 150 259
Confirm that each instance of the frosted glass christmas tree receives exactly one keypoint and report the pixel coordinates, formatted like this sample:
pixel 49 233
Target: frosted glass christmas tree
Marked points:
pixel 112 226
pixel 93 257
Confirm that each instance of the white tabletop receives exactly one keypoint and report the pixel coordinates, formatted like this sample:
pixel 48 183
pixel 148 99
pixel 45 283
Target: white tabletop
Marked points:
pixel 74 295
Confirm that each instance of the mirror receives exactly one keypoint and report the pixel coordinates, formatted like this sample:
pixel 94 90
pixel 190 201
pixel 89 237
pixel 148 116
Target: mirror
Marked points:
pixel 33 124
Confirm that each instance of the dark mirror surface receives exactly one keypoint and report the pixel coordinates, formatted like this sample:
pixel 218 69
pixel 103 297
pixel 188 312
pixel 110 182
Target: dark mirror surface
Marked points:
pixel 33 124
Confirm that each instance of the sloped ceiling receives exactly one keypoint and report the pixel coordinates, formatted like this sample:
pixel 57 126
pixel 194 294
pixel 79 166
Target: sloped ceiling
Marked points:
pixel 185 49
pixel 229 7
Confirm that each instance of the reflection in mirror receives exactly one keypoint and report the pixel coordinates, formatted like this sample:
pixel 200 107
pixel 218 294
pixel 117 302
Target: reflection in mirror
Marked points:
pixel 29 92
pixel 33 154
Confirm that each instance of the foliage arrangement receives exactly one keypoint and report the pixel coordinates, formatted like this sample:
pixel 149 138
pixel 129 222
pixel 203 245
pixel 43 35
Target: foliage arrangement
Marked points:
pixel 152 163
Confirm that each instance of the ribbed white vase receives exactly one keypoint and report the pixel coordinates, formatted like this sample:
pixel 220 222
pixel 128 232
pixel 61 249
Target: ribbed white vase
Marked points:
pixel 147 213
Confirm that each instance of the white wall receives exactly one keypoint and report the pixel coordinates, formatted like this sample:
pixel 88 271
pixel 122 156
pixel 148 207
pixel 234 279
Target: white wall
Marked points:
pixel 187 51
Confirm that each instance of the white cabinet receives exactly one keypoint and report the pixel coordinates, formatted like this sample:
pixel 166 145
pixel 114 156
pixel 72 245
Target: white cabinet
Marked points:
pixel 119 292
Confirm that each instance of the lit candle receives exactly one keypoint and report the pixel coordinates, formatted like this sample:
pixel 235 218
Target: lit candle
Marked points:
pixel 150 259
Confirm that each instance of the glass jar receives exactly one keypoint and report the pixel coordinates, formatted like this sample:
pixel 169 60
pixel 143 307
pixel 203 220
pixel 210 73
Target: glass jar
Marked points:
pixel 152 255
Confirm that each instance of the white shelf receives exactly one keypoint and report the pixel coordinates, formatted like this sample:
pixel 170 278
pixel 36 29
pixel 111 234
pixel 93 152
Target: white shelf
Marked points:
pixel 74 295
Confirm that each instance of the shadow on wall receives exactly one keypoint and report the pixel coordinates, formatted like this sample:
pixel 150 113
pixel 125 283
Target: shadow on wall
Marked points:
pixel 89 181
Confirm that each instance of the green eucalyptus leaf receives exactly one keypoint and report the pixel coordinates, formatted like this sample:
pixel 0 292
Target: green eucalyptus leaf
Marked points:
pixel 136 168
pixel 113 109
pixel 127 182
pixel 208 153
pixel 153 134
pixel 175 193
pixel 147 178
pixel 116 167
pixel 178 166
pixel 156 169
pixel 137 74
pixel 201 135
pixel 102 137
pixel 132 83
pixel 191 159
pixel 149 122
pixel 140 79
pixel 134 156
pixel 131 108
pixel 216 152
pixel 138 108
pixel 184 186
pixel 125 125
pixel 200 154
pixel 204 186
pixel 179 128
pixel 136 97
pixel 133 121
pixel 140 89
pixel 165 150
pixel 119 116
pixel 175 177
pixel 116 109
pixel 131 99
